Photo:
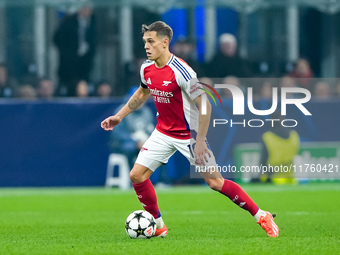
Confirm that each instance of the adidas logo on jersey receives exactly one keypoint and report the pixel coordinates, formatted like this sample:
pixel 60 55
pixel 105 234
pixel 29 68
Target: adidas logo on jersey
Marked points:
pixel 148 81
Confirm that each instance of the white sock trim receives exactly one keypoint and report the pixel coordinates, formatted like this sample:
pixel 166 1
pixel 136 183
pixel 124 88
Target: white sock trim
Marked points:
pixel 159 222
pixel 258 215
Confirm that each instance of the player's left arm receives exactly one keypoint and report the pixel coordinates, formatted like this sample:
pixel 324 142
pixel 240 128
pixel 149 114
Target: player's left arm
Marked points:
pixel 201 149
pixel 135 101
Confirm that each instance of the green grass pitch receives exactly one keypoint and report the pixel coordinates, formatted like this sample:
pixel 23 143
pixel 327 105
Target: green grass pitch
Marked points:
pixel 200 221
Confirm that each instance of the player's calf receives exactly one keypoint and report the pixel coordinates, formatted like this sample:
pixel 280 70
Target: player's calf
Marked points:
pixel 215 183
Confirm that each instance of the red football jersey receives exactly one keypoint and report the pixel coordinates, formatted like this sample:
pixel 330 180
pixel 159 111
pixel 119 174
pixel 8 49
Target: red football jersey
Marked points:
pixel 173 87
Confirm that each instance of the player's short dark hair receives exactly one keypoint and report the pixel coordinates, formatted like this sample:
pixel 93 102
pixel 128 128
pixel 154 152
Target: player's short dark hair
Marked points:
pixel 160 27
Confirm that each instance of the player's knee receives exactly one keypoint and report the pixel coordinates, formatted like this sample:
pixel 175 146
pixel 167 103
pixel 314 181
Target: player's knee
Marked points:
pixel 215 184
pixel 136 177
pixel 139 173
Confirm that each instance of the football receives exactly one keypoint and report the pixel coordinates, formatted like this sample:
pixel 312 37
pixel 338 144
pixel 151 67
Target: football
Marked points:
pixel 140 224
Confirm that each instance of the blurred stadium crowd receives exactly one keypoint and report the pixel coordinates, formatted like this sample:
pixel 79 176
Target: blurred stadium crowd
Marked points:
pixel 300 76
pixel 76 40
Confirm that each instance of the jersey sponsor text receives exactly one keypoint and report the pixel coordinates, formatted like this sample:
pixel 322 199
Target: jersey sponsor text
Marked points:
pixel 156 92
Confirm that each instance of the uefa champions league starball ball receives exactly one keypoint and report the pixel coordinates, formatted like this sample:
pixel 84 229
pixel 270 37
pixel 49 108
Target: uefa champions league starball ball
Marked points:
pixel 140 224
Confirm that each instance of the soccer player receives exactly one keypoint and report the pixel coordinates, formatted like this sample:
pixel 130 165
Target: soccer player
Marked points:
pixel 175 90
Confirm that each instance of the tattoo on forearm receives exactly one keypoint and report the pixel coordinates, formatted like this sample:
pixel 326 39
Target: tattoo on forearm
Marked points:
pixel 134 103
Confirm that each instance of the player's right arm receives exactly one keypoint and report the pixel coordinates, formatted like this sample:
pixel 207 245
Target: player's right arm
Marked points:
pixel 135 101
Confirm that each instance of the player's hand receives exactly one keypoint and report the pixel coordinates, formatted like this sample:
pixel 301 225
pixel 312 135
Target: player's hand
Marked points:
pixel 201 152
pixel 109 123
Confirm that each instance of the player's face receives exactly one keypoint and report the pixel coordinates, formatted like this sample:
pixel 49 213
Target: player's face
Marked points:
pixel 153 45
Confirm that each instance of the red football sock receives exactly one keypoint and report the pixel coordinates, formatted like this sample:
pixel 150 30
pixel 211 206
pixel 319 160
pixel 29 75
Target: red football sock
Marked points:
pixel 147 196
pixel 239 196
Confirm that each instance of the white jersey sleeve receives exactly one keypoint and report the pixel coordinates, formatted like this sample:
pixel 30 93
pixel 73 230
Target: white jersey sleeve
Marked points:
pixel 188 80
